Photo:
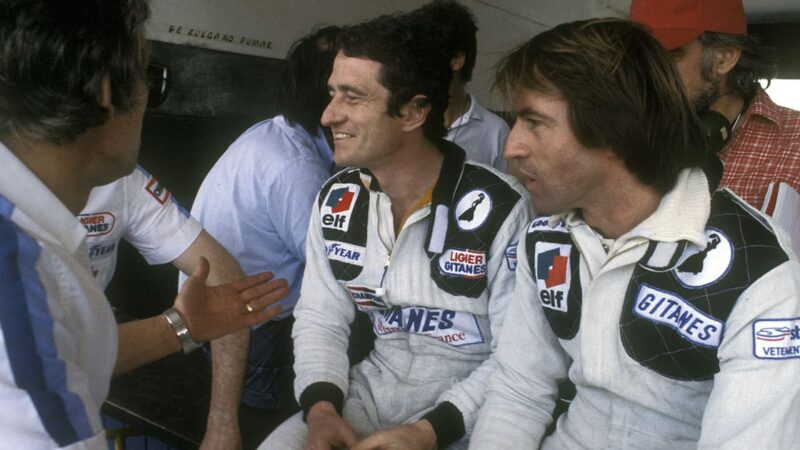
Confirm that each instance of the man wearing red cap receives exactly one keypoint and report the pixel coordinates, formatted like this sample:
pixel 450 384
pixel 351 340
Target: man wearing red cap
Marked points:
pixel 720 66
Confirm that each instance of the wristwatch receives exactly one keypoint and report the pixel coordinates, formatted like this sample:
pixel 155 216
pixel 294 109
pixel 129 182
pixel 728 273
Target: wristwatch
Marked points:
pixel 175 321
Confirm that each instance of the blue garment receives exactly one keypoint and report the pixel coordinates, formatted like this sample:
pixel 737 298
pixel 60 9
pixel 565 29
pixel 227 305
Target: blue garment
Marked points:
pixel 256 201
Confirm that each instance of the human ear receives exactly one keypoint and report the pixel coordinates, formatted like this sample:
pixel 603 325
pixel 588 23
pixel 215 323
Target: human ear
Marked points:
pixel 414 112
pixel 725 59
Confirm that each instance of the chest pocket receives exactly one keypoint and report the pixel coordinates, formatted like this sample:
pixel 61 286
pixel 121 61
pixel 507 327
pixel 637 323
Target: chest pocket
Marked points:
pixel 555 265
pixel 673 320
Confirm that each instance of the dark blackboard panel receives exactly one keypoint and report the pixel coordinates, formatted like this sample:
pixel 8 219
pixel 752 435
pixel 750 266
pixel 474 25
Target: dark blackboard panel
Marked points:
pixel 211 83
pixel 214 96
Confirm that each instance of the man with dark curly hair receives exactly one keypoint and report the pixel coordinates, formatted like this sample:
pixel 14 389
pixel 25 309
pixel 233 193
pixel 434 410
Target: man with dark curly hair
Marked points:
pixel 412 235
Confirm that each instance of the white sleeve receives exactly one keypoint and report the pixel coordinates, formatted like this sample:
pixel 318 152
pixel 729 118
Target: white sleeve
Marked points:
pixel 756 395
pixel 521 394
pixel 322 319
pixel 468 395
pixel 159 227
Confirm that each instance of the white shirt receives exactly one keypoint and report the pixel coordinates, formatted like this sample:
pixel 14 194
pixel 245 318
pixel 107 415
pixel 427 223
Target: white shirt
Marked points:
pixel 59 339
pixel 143 212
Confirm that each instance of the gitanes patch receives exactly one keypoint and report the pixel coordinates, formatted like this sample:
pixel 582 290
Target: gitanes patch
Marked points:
pixel 98 224
pixel 338 206
pixel 669 309
pixel 463 263
pixel 473 209
pixel 451 327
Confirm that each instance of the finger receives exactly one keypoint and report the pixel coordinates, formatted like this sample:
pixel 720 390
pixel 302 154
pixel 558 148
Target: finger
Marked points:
pixel 201 271
pixel 260 316
pixel 269 298
pixel 263 289
pixel 252 280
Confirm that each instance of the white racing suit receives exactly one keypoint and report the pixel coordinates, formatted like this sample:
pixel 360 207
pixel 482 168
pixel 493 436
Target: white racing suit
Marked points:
pixel 436 295
pixel 685 334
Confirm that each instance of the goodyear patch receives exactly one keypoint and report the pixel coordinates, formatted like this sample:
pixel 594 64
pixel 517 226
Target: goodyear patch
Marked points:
pixel 346 253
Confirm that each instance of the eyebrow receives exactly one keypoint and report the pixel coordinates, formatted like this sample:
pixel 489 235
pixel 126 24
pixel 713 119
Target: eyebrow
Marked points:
pixel 349 89
pixel 529 112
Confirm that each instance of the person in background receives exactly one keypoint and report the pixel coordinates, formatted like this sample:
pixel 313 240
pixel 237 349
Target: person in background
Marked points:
pixel 140 210
pixel 668 307
pixel 412 234
pixel 257 199
pixel 481 133
pixel 60 137
pixel 720 65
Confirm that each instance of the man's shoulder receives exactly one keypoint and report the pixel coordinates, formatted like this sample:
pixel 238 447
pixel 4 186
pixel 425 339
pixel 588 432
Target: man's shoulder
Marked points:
pixel 489 119
pixel 483 176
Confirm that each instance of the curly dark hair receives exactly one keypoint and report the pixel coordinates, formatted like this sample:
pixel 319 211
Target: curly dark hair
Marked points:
pixel 305 78
pixel 757 61
pixel 456 26
pixel 53 57
pixel 623 92
pixel 411 63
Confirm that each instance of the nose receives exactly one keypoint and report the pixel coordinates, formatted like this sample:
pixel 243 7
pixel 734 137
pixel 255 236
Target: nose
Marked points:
pixel 332 115
pixel 515 147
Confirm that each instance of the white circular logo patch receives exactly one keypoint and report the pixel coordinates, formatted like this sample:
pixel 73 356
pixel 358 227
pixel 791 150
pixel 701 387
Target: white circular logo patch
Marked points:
pixel 473 209
pixel 701 268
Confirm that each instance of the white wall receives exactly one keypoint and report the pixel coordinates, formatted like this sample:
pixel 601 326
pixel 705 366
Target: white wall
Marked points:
pixel 268 27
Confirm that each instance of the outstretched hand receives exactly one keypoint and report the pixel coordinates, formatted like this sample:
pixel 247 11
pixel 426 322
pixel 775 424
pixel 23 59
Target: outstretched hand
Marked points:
pixel 211 312
pixel 415 436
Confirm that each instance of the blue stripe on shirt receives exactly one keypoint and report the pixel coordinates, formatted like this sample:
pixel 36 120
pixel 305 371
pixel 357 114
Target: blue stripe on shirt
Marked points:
pixel 28 333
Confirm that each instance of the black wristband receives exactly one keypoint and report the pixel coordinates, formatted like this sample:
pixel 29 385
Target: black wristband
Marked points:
pixel 321 392
pixel 447 422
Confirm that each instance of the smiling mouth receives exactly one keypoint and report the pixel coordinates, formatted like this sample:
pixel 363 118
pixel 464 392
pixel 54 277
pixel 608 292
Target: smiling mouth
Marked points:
pixel 340 135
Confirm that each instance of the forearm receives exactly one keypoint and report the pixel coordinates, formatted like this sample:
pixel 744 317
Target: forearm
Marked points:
pixel 228 366
pixel 143 341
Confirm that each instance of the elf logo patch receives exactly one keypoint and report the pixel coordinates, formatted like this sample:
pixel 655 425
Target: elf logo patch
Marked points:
pixel 97 224
pixel 159 192
pixel 463 263
pixel 553 274
pixel 338 206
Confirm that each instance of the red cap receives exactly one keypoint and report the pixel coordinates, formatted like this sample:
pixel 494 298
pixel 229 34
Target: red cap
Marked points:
pixel 675 23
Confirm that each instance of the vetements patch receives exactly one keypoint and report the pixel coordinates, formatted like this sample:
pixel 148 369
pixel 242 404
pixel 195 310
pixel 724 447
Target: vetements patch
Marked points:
pixel 776 338
pixel 668 308
pixel 338 206
pixel 451 327
pixel 553 274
